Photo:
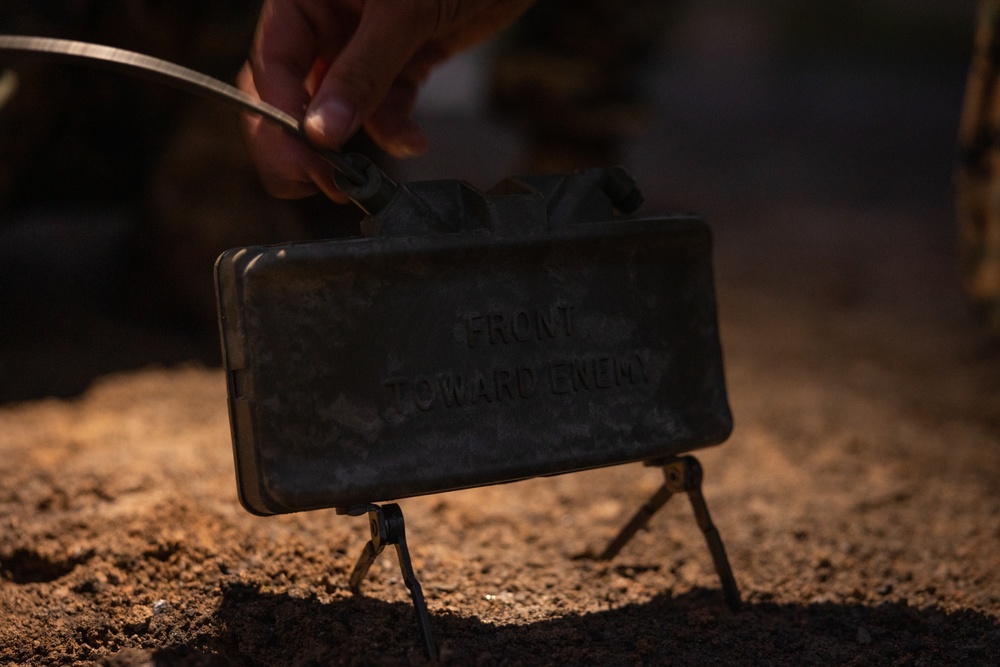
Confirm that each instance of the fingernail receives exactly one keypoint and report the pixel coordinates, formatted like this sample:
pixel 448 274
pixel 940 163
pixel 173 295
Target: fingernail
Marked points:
pixel 409 144
pixel 332 119
pixel 404 150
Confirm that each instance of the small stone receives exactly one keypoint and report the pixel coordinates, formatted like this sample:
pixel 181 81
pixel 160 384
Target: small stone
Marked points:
pixel 864 637
pixel 136 621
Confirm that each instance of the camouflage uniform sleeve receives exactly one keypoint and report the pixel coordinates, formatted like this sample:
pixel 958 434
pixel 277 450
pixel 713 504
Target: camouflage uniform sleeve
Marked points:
pixel 978 172
pixel 570 75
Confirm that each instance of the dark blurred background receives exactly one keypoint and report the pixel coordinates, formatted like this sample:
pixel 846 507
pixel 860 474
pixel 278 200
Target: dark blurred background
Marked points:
pixel 778 121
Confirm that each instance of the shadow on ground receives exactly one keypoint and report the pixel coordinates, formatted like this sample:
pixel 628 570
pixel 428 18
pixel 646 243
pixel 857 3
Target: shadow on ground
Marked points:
pixel 688 629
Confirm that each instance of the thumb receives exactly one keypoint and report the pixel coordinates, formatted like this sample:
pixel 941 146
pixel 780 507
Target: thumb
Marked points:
pixel 361 76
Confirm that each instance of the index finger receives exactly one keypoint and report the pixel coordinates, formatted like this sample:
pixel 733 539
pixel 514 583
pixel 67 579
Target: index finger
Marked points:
pixel 286 47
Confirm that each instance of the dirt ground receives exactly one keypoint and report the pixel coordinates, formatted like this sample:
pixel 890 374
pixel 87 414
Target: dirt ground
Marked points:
pixel 857 498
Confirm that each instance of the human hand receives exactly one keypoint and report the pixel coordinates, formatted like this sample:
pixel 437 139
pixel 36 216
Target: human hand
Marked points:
pixel 338 65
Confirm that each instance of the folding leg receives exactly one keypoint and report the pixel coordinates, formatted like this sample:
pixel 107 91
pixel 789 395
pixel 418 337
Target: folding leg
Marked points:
pixel 387 527
pixel 682 475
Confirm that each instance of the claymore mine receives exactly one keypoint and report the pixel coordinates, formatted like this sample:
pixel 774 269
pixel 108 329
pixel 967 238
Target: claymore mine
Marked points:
pixel 467 338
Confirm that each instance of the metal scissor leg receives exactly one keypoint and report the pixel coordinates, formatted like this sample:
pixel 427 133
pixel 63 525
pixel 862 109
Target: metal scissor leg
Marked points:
pixel 682 475
pixel 387 527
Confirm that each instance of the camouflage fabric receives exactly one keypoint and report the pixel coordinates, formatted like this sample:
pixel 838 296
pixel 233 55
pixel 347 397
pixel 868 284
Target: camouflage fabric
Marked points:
pixel 570 75
pixel 72 135
pixel 978 173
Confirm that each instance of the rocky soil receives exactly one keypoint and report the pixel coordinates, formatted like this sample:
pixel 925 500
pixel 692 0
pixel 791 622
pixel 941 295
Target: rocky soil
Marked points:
pixel 857 498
